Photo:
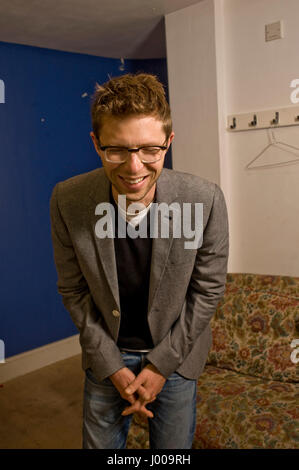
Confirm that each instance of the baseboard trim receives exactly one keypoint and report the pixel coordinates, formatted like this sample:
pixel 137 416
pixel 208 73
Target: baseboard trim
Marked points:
pixel 37 358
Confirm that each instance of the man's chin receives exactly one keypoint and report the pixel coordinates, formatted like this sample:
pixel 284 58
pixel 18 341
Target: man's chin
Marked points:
pixel 135 196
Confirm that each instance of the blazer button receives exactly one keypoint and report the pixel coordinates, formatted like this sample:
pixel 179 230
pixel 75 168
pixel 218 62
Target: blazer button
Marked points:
pixel 115 313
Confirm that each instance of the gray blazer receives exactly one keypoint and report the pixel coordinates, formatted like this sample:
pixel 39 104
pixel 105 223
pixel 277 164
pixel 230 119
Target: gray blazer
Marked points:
pixel 185 284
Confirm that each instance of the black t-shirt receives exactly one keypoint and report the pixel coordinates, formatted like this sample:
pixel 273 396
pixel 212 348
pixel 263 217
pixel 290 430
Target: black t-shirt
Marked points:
pixel 133 261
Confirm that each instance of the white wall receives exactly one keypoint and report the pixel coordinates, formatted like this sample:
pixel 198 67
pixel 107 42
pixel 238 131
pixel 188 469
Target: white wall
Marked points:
pixel 249 75
pixel 264 204
pixel 191 57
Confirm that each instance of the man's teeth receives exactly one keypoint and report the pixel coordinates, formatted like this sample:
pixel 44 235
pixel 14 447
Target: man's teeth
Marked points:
pixel 134 181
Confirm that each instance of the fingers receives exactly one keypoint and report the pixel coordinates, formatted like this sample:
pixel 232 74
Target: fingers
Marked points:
pixel 130 398
pixel 144 395
pixel 140 390
pixel 132 388
pixel 147 384
pixel 138 407
pixel 121 379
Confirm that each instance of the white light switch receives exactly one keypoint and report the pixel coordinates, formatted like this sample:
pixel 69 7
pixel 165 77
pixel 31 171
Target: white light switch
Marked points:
pixel 273 31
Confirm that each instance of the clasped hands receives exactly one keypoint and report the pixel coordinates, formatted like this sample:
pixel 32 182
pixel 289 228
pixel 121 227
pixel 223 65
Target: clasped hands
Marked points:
pixel 140 390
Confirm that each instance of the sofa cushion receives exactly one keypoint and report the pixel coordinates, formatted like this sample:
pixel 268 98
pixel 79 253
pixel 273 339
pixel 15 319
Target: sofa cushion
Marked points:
pixel 244 412
pixel 254 326
pixel 237 411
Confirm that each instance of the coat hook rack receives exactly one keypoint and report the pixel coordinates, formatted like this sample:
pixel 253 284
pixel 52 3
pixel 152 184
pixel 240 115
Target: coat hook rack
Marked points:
pixel 264 119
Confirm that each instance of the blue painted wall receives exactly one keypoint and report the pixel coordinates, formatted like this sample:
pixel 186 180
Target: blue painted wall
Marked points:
pixel 44 138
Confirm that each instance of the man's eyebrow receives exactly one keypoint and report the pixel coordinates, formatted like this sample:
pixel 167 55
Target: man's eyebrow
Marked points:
pixel 148 144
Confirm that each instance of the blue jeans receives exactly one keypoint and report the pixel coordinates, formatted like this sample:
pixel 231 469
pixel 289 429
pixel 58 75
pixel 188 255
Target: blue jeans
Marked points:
pixel 174 410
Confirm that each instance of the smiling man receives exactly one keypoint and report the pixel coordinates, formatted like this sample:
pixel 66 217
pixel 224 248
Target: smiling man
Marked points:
pixel 142 305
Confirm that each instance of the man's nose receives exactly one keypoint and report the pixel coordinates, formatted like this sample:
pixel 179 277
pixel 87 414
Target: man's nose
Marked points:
pixel 133 163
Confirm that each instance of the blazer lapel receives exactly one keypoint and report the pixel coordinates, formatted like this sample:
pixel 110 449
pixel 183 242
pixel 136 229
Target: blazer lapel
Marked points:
pixel 107 256
pixel 105 246
pixel 165 193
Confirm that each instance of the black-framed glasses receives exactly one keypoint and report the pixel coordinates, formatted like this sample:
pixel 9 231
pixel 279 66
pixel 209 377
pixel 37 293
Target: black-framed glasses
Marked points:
pixel 146 153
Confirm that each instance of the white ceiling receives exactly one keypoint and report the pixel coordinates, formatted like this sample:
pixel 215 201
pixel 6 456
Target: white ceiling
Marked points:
pixel 108 28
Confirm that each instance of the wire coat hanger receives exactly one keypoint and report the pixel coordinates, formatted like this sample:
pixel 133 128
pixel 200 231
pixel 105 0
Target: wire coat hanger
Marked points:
pixel 279 145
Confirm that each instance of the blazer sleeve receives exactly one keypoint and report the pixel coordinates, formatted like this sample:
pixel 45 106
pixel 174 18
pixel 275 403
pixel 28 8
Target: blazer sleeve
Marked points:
pixel 102 353
pixel 206 288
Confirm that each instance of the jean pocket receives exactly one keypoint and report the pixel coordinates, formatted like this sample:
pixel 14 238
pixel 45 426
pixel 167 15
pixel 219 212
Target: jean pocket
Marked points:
pixel 175 376
pixel 92 378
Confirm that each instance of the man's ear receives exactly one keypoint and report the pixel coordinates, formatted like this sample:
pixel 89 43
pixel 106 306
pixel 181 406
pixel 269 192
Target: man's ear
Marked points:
pixel 170 139
pixel 95 141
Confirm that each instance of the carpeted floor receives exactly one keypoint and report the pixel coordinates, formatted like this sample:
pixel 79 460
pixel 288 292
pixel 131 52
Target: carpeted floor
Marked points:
pixel 43 409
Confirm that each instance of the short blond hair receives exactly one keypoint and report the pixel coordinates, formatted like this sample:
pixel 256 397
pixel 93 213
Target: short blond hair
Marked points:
pixel 130 94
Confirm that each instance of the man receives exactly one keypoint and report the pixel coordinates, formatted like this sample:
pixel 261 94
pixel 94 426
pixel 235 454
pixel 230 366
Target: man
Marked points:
pixel 142 304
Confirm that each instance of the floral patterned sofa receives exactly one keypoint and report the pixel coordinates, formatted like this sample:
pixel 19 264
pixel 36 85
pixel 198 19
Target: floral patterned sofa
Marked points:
pixel 248 394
